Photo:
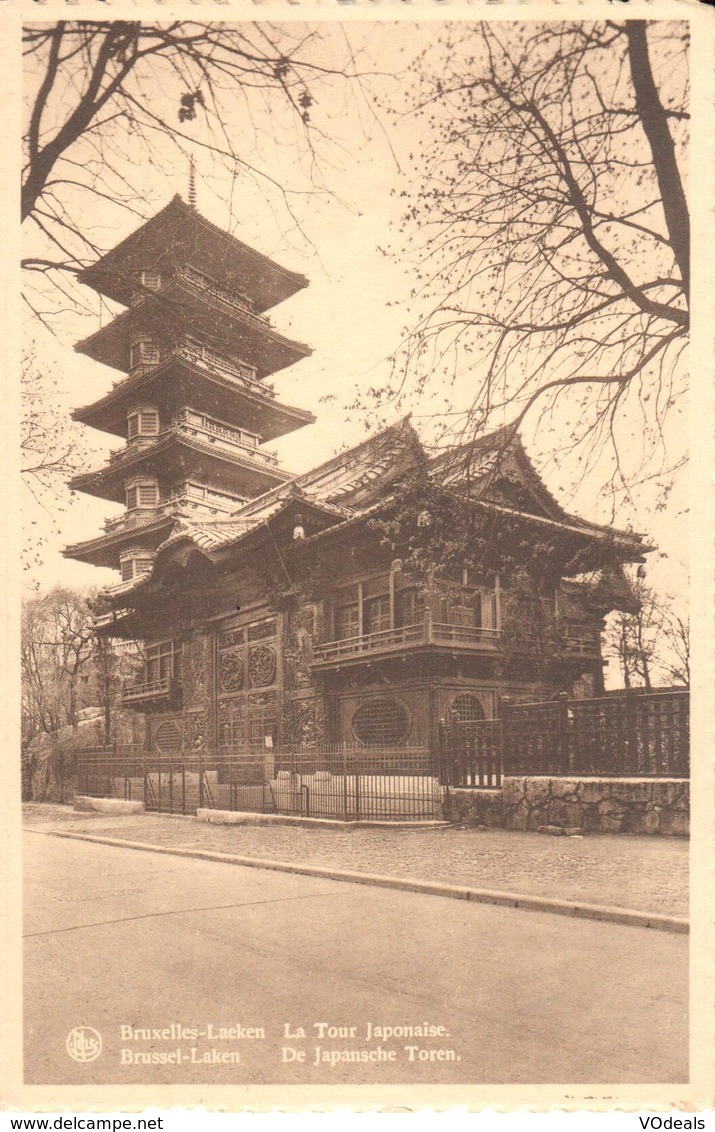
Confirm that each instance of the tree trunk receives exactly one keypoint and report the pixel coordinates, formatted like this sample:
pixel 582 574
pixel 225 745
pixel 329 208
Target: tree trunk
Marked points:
pixel 655 125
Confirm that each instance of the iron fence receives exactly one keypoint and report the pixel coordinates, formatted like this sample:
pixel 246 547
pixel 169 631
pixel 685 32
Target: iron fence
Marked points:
pixel 109 772
pixel 630 735
pixel 471 753
pixel 635 734
pixel 347 783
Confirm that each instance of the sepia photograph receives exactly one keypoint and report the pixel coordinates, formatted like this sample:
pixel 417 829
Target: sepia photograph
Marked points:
pixel 356 552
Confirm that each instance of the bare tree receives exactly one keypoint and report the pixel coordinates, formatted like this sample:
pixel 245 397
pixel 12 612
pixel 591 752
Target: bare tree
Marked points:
pixel 675 651
pixel 51 450
pixel 651 643
pixel 549 222
pixel 66 669
pixel 56 650
pixel 108 98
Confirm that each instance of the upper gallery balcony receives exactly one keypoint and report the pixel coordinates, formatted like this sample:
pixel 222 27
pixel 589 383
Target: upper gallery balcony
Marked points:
pixel 164 689
pixel 231 369
pixel 160 681
pixel 205 429
pixel 147 355
pixel 420 634
pixel 438 633
pixel 221 293
pixel 189 497
pixel 222 434
pixel 580 644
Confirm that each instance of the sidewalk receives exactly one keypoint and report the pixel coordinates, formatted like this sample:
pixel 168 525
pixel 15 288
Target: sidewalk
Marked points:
pixel 648 874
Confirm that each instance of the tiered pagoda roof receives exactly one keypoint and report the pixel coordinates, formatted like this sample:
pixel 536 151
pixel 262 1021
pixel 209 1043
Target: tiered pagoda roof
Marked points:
pixel 190 300
pixel 211 384
pixel 194 408
pixel 179 235
pixel 177 453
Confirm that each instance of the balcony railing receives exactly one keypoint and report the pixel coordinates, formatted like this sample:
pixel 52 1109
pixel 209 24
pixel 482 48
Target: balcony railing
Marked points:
pixel 239 373
pixel 132 447
pixel 222 294
pixel 201 496
pixel 434 633
pixel 166 688
pixel 212 431
pixel 209 360
pixel 207 504
pixel 581 646
pixel 216 431
pixel 421 633
pixel 135 519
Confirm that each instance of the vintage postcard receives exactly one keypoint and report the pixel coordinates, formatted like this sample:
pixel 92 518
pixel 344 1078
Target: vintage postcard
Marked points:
pixel 364 456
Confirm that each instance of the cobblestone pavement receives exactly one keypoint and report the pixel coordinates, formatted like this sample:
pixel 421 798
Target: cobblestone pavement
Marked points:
pixel 647 874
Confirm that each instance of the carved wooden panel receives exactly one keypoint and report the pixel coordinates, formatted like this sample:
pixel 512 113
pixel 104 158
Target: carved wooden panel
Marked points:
pixel 299 723
pixel 247 663
pixel 262 630
pixel 231 638
pixel 298 651
pixel 231 725
pixel 196 671
pixel 230 670
pixel 196 731
pixel 262 666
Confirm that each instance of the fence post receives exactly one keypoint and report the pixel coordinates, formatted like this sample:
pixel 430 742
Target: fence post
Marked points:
pixel 441 753
pixel 563 745
pixel 201 779
pixel 631 763
pixel 504 714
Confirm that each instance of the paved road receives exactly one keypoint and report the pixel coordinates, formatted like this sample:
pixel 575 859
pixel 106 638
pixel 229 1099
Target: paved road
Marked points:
pixel 119 938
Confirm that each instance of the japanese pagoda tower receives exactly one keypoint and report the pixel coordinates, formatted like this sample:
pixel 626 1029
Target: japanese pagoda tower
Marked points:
pixel 194 408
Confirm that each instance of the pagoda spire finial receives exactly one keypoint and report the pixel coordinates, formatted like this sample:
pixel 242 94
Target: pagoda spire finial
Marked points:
pixel 192 184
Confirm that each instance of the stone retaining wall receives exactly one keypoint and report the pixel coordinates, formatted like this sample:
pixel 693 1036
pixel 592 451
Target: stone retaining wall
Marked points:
pixel 474 807
pixel 591 805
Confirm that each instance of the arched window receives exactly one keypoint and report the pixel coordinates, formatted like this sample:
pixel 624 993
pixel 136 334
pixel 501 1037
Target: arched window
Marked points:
pixel 381 722
pixel 467 708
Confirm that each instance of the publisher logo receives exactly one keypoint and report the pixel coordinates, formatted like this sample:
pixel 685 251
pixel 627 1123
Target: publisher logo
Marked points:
pixel 84 1043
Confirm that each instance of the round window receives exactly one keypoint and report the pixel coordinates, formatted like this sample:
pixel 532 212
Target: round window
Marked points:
pixel 383 722
pixel 167 737
pixel 467 708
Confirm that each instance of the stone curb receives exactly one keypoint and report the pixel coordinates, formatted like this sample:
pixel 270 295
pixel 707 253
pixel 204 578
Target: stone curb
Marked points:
pixel 244 817
pixel 430 888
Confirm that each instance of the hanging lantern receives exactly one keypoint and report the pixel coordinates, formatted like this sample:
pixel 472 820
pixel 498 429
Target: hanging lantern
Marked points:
pixel 396 566
pixel 298 529
pixel 424 519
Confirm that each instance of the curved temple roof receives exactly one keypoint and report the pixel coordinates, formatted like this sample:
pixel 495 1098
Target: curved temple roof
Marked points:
pixel 180 234
pixel 358 482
